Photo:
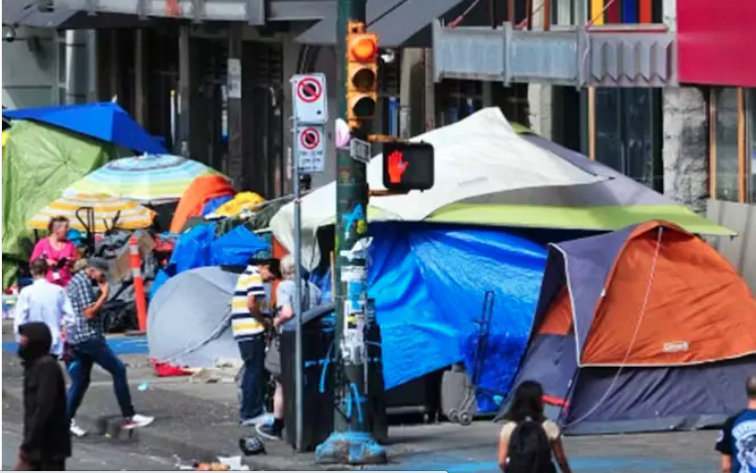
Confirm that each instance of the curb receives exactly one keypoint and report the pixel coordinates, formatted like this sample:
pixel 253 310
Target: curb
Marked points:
pixel 186 451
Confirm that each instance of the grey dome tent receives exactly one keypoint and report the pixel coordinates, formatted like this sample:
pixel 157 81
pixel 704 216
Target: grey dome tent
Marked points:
pixel 189 319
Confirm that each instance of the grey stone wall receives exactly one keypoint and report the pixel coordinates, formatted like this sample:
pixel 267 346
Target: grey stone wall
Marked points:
pixel 684 147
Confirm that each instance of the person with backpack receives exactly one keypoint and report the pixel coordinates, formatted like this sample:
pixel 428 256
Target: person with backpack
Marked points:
pixel 528 439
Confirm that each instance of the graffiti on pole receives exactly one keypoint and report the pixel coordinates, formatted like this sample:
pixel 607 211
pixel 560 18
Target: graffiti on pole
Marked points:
pixel 356 219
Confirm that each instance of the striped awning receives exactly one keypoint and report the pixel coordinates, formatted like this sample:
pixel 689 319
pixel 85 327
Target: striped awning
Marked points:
pixel 109 211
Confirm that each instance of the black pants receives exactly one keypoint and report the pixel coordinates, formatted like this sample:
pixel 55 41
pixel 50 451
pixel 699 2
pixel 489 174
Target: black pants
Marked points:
pixel 252 379
pixel 48 465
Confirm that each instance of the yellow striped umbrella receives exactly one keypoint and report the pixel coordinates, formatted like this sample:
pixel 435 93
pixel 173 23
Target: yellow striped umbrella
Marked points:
pixel 128 215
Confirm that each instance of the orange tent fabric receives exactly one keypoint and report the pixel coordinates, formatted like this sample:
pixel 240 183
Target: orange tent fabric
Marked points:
pixel 200 192
pixel 558 320
pixel 670 299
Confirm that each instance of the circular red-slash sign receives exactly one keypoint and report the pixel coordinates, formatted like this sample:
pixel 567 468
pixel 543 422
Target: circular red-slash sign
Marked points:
pixel 309 138
pixel 309 89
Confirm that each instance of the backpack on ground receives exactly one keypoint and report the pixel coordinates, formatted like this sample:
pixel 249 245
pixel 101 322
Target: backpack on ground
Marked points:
pixel 529 449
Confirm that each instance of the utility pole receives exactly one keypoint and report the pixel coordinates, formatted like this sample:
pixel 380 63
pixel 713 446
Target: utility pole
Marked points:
pixel 352 441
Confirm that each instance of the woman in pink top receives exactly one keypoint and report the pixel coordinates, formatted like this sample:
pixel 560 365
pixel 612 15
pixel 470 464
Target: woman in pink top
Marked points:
pixel 59 253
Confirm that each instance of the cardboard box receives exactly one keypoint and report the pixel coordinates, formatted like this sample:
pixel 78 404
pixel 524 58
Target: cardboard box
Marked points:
pixel 120 268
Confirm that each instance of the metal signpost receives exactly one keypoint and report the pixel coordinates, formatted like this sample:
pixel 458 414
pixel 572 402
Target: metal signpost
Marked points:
pixel 310 116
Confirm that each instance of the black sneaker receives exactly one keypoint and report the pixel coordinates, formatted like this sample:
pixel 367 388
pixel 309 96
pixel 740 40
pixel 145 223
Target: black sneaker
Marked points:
pixel 268 431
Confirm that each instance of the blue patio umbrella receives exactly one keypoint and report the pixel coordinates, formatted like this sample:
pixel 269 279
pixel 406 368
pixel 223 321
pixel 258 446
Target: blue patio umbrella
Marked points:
pixel 105 121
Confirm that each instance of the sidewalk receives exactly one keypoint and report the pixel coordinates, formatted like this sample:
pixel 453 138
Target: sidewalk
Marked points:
pixel 199 422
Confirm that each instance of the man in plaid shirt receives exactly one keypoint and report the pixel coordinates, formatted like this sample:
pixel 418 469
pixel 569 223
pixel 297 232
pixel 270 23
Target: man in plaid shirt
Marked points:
pixel 85 336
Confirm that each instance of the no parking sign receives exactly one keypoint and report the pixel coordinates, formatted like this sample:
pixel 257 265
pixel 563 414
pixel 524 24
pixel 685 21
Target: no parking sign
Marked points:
pixel 310 148
pixel 309 95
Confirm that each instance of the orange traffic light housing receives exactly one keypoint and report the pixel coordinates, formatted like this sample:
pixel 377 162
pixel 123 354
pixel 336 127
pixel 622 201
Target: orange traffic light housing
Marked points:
pixel 362 74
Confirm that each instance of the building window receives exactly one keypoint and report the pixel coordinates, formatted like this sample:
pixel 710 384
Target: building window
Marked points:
pixel 626 133
pixel 733 145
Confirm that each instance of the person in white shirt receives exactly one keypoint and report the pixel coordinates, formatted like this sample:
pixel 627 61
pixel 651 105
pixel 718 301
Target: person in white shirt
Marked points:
pixel 44 302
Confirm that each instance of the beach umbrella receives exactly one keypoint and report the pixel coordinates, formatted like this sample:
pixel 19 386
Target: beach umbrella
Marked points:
pixel 95 213
pixel 148 178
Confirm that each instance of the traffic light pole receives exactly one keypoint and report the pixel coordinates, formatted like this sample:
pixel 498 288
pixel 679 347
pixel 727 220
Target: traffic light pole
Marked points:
pixel 351 441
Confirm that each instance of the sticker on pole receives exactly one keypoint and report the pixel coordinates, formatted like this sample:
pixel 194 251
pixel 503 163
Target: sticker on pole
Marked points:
pixel 309 94
pixel 309 150
pixel 360 150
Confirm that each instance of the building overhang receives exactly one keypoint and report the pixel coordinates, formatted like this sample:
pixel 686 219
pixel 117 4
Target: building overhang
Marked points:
pixel 253 12
pixel 616 56
pixel 398 23
pixel 42 14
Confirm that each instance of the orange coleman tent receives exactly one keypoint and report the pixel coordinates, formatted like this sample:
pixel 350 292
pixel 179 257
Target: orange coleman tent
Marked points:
pixel 647 328
pixel 202 190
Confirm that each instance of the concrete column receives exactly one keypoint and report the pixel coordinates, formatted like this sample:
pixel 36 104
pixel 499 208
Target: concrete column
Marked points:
pixel 290 55
pixel 92 67
pixel 410 90
pixel 430 91
pixel 684 146
pixel 185 88
pixel 539 95
pixel 141 88
pixel 77 76
pixel 115 64
pixel 234 89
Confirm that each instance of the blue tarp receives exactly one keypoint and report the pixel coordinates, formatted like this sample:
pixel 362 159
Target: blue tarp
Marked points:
pixel 105 121
pixel 429 283
pixel 215 204
pixel 199 248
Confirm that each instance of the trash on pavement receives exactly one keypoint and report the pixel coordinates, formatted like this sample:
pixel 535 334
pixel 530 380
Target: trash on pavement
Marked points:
pixel 203 466
pixel 223 371
pixel 233 463
pixel 144 386
pixel 251 446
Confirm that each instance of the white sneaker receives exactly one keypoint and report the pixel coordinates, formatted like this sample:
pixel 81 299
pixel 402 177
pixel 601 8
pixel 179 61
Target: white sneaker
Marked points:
pixel 264 418
pixel 138 421
pixel 76 430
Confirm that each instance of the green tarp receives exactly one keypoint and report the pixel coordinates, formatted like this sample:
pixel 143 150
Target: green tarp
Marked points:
pixel 39 162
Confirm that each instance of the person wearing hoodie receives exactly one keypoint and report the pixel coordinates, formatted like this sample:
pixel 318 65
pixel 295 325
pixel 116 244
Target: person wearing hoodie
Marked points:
pixel 47 441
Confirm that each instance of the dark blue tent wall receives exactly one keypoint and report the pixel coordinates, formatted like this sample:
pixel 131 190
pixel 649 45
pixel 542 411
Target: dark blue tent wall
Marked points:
pixel 429 282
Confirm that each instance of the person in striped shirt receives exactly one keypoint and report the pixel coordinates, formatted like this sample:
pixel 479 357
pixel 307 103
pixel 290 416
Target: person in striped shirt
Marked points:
pixel 249 321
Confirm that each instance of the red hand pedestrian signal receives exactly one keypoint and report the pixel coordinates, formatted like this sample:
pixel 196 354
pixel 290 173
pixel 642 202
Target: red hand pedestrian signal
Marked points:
pixel 407 166
pixel 397 166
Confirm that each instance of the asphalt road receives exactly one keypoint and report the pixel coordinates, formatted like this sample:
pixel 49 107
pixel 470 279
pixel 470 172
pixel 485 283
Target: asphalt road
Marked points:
pixel 91 454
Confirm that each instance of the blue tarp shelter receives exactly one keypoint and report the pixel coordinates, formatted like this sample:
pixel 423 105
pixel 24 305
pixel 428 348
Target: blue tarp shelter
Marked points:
pixel 198 248
pixel 106 121
pixel 429 282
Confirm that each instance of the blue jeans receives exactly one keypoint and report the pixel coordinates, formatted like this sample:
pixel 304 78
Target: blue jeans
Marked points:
pixel 85 355
pixel 252 382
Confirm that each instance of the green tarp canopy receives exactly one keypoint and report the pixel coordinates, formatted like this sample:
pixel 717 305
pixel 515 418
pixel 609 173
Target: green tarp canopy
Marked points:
pixel 39 162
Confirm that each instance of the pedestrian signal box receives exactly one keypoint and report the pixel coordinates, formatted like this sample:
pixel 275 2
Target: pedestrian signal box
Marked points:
pixel 408 166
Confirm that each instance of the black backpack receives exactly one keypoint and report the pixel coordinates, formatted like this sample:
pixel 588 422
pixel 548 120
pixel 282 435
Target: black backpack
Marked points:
pixel 529 449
